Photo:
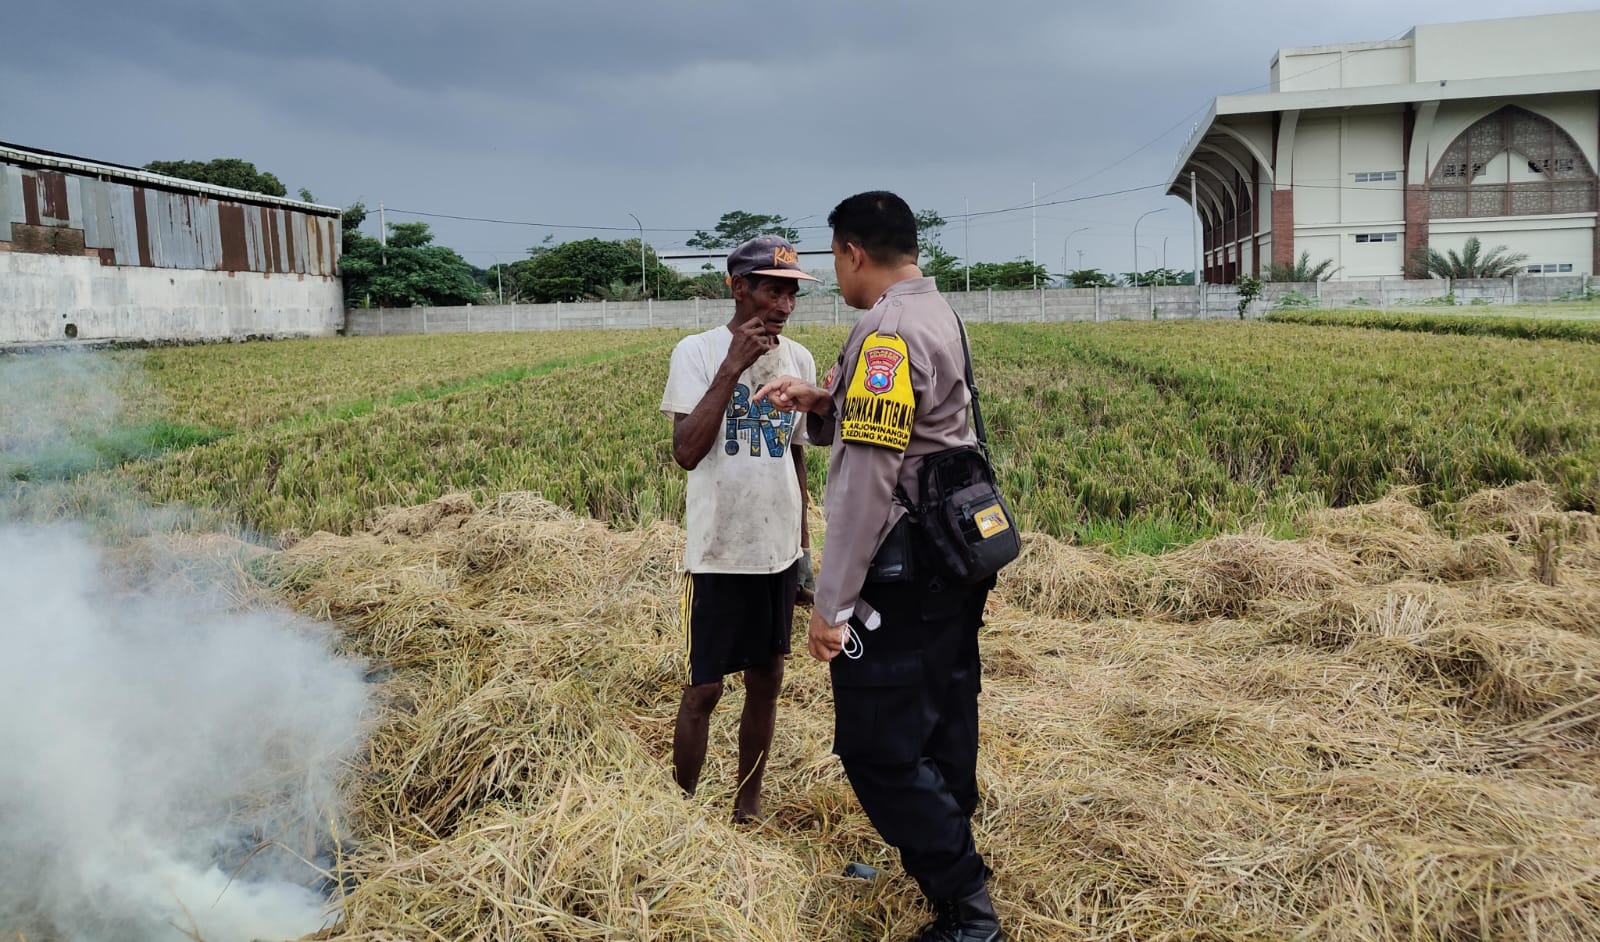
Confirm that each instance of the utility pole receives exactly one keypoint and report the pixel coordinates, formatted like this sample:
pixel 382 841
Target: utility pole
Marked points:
pixel 966 250
pixel 1033 203
pixel 383 238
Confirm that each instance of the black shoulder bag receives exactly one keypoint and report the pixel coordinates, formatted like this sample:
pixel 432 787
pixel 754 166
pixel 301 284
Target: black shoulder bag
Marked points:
pixel 966 531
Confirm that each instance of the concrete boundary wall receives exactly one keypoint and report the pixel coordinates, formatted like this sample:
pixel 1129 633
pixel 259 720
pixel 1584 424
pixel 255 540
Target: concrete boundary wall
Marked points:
pixel 47 298
pixel 1213 302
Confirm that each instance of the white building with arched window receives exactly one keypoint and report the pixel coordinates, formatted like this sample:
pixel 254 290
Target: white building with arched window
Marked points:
pixel 1364 153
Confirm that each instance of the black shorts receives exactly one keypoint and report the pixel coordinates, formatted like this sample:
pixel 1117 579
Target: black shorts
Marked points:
pixel 734 621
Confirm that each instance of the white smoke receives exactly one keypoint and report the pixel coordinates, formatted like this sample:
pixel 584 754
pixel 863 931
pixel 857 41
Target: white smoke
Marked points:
pixel 53 405
pixel 169 762
pixel 169 770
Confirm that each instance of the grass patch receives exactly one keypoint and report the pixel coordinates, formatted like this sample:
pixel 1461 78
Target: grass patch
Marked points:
pixel 1466 324
pixel 1135 436
pixel 57 461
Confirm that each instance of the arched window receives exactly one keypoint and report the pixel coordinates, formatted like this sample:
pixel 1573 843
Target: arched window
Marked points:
pixel 1512 163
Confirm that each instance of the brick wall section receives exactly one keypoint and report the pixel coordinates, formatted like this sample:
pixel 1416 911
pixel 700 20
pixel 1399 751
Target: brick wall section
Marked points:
pixel 1282 227
pixel 1417 216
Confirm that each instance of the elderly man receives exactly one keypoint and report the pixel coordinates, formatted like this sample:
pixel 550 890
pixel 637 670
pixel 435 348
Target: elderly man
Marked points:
pixel 747 559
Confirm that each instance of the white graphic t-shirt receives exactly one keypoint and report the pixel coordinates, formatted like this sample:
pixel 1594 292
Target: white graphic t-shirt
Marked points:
pixel 743 513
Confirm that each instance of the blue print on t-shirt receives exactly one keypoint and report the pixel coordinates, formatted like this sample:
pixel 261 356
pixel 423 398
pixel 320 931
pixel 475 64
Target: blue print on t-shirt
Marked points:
pixel 756 423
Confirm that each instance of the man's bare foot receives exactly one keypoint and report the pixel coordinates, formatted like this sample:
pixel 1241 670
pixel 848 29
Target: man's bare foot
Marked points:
pixel 749 815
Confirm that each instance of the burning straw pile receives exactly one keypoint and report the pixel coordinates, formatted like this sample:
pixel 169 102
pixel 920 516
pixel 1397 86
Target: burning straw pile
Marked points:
pixel 1385 729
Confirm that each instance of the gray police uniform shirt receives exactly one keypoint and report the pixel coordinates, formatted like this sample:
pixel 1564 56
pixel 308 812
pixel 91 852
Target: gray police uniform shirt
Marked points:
pixel 859 502
pixel 743 506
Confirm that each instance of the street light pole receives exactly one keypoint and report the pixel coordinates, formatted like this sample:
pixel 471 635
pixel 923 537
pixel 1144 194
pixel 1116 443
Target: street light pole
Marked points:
pixel 1067 242
pixel 644 283
pixel 1136 242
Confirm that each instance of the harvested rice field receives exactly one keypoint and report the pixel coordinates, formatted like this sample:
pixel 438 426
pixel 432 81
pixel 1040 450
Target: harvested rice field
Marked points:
pixel 1373 731
pixel 1303 643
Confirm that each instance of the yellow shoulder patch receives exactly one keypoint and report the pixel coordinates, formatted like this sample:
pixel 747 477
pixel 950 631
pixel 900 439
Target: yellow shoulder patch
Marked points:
pixel 880 406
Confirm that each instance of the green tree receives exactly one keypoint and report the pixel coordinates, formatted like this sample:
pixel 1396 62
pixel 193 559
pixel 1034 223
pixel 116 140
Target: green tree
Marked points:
pixel 1300 271
pixel 350 222
pixel 929 224
pixel 575 270
pixel 621 291
pixel 944 268
pixel 1090 278
pixel 409 271
pixel 224 171
pixel 1017 275
pixel 1500 262
pixel 738 226
pixel 1159 277
pixel 1249 290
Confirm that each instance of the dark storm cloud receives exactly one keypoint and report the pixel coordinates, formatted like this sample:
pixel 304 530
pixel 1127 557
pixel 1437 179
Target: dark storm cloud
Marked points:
pixel 584 112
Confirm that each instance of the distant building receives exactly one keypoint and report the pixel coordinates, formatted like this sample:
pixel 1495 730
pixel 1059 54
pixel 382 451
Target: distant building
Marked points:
pixel 96 251
pixel 1363 153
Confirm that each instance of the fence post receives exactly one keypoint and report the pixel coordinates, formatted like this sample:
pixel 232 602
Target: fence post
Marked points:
pixel 1152 300
pixel 989 300
pixel 696 313
pixel 836 310
pixel 1383 295
pixel 1041 305
pixel 650 311
pixel 469 318
pixel 558 315
pixel 1097 304
pixel 424 319
pixel 1318 283
pixel 381 329
pixel 513 317
pixel 1515 287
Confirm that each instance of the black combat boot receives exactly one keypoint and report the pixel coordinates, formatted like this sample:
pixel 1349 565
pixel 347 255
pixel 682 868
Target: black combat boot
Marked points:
pixel 970 919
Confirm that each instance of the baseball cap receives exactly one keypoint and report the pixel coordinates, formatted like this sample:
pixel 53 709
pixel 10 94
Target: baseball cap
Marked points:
pixel 766 255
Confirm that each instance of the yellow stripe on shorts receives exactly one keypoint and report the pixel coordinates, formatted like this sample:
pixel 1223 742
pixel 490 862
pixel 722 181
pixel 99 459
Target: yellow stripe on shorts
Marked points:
pixel 685 614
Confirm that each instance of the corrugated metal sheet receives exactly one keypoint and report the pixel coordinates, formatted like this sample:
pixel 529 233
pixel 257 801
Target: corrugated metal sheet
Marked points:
pixel 129 222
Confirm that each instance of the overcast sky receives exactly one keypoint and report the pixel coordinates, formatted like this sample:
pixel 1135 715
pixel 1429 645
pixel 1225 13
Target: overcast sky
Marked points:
pixel 581 112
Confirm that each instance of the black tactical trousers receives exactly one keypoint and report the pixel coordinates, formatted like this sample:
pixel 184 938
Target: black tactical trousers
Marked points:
pixel 906 728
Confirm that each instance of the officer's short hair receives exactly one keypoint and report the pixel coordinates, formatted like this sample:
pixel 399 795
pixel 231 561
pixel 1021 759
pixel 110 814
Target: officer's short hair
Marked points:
pixel 880 222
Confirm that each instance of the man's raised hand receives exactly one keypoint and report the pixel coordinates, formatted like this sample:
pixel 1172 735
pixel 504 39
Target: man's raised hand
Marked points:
pixel 750 342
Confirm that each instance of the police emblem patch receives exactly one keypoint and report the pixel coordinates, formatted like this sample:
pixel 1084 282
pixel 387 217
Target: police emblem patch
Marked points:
pixel 880 403
pixel 881 363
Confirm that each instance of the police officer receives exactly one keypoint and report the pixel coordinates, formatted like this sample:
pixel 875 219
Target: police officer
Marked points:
pixel 903 654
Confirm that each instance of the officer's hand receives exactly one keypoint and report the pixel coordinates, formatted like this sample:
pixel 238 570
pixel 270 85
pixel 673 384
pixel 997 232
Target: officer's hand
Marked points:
pixel 750 341
pixel 825 641
pixel 792 394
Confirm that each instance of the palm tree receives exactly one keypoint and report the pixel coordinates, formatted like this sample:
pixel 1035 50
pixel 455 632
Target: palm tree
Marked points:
pixel 1300 271
pixel 1471 263
pixel 620 290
